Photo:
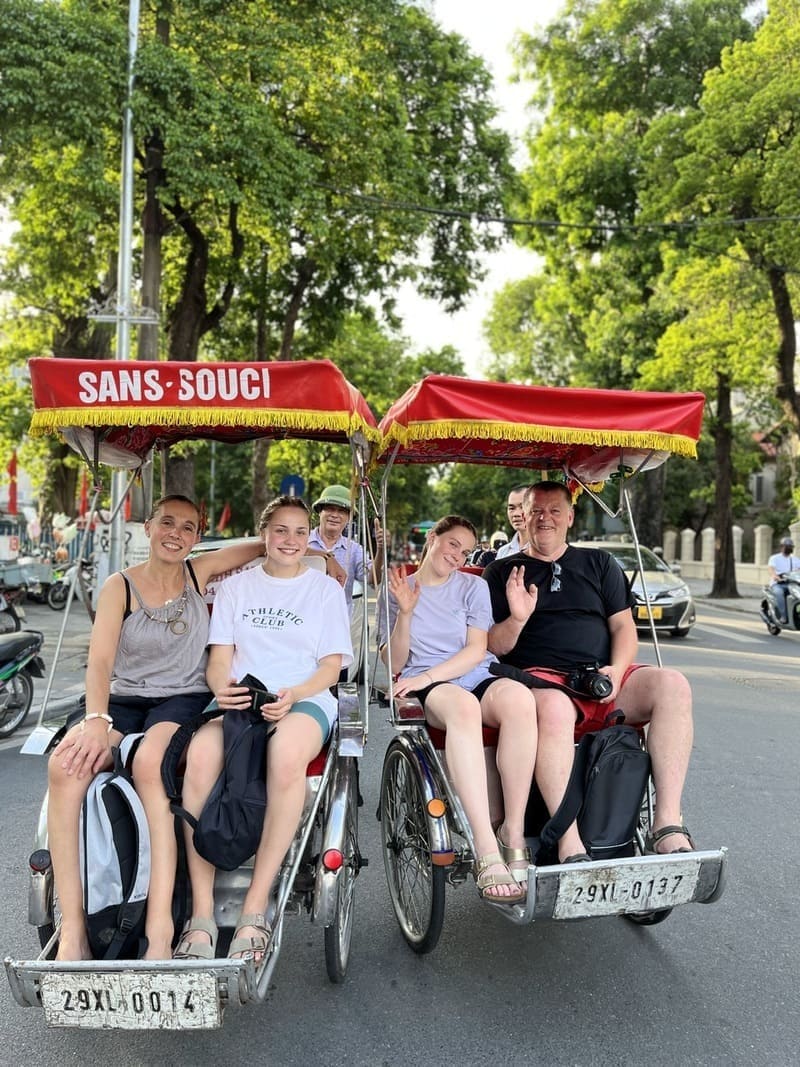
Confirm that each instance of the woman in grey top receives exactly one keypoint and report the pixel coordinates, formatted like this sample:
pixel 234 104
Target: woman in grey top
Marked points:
pixel 437 630
pixel 145 672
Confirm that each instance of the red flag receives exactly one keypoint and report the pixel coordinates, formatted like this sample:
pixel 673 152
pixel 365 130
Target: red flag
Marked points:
pixel 224 518
pixel 126 511
pixel 83 503
pixel 12 485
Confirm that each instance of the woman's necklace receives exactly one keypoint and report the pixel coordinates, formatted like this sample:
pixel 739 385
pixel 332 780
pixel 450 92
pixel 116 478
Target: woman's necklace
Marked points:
pixel 176 623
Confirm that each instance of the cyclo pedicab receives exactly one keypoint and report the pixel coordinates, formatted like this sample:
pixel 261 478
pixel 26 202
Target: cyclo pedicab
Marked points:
pixel 588 436
pixel 116 414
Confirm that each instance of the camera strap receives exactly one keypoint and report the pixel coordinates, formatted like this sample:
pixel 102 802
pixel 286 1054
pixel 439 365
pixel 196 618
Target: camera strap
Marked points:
pixel 542 680
pixel 550 678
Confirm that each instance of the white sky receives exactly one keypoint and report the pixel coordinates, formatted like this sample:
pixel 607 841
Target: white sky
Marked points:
pixel 489 28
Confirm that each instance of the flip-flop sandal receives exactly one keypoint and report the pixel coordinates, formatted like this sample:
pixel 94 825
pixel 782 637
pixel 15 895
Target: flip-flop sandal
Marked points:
pixel 257 944
pixel 187 949
pixel 486 880
pixel 651 840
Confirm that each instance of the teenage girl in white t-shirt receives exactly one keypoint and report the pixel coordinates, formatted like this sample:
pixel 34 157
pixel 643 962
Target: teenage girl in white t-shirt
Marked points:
pixel 289 626
pixel 438 623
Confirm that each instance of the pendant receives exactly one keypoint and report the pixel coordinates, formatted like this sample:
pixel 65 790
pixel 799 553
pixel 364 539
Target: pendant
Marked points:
pixel 178 626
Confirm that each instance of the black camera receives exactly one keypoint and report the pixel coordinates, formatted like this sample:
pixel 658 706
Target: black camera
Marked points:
pixel 588 680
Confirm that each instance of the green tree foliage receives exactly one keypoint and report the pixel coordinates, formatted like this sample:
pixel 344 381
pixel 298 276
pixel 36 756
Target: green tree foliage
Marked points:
pixel 734 159
pixel 605 74
pixel 294 163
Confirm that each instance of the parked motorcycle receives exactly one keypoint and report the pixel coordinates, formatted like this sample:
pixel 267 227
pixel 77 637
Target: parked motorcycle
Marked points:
pixel 769 608
pixel 12 609
pixel 58 592
pixel 20 663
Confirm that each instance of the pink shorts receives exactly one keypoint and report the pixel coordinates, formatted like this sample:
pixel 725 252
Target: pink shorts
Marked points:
pixel 592 715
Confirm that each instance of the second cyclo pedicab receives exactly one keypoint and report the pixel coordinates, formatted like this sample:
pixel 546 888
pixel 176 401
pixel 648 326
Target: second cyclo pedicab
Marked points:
pixel 117 414
pixel 587 436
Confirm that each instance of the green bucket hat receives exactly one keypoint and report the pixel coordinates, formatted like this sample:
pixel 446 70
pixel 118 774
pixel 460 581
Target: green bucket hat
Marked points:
pixel 337 496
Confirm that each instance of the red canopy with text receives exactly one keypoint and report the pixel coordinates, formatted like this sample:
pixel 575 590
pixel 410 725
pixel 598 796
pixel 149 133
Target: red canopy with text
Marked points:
pixel 586 433
pixel 132 406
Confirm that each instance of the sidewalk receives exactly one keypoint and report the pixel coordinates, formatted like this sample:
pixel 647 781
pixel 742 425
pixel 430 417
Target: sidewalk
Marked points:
pixel 749 600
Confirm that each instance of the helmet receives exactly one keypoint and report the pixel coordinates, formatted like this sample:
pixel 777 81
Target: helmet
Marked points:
pixel 787 542
pixel 337 496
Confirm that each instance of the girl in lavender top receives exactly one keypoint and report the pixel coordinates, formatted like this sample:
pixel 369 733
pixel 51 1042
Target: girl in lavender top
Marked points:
pixel 437 629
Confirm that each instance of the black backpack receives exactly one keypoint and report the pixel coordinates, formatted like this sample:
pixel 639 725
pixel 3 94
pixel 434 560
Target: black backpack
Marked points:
pixel 228 829
pixel 605 793
pixel 115 860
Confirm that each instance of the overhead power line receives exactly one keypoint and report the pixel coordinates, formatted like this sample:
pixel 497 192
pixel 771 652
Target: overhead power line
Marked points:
pixel 552 224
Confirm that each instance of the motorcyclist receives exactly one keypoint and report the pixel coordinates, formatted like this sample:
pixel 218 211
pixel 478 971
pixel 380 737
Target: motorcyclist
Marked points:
pixel 781 564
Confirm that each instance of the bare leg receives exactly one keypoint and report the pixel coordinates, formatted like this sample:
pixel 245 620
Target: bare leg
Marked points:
pixel 204 761
pixel 159 928
pixel 458 712
pixel 663 697
pixel 511 708
pixel 66 793
pixel 554 758
pixel 296 741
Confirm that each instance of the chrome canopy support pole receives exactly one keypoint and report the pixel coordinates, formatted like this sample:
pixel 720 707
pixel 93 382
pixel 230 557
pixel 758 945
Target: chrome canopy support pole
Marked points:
pixel 626 503
pixel 124 272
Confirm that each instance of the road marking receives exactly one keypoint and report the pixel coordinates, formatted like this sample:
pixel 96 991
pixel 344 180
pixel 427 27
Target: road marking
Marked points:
pixel 718 631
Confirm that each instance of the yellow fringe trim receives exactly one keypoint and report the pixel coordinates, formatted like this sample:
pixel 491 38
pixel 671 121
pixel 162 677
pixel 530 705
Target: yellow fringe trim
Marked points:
pixel 678 444
pixel 51 420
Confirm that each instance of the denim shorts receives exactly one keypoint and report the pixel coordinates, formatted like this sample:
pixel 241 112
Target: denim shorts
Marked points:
pixel 133 715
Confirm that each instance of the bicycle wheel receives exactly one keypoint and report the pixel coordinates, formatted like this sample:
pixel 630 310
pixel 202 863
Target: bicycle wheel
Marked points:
pixel 416 884
pixel 339 934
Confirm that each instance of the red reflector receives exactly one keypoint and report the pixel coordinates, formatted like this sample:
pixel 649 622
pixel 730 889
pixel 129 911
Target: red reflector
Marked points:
pixel 332 859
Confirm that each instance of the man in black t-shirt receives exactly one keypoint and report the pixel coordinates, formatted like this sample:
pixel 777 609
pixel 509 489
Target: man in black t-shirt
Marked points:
pixel 557 607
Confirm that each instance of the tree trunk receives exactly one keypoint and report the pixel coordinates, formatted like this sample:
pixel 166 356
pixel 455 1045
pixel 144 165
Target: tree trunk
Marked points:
pixel 787 351
pixel 305 273
pixel 647 504
pixel 262 491
pixel 724 584
pixel 152 230
pixel 180 475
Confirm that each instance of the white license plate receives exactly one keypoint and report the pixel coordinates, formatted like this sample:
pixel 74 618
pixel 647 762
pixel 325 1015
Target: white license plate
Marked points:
pixel 133 1000
pixel 642 612
pixel 614 890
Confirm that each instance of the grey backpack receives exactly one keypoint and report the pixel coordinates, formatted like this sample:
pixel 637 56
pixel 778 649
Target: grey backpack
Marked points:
pixel 115 860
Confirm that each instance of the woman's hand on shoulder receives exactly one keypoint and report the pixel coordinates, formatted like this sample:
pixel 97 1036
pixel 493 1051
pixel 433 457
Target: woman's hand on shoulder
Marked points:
pixel 405 594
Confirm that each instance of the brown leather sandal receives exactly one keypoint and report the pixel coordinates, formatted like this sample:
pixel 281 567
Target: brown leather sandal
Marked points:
pixel 651 840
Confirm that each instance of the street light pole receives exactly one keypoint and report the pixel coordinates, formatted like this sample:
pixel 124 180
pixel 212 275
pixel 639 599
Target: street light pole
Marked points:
pixel 124 273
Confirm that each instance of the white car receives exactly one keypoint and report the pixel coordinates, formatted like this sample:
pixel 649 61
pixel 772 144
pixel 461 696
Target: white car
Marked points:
pixel 670 597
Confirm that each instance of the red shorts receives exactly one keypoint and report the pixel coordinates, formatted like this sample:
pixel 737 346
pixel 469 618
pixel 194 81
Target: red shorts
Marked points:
pixel 591 714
